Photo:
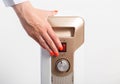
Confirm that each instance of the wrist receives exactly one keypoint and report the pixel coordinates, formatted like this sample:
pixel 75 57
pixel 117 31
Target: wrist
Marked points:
pixel 22 8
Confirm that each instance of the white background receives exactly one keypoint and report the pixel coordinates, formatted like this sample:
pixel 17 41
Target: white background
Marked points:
pixel 100 61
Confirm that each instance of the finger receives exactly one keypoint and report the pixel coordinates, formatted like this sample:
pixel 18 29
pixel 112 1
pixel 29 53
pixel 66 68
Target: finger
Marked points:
pixel 50 43
pixel 55 38
pixel 44 45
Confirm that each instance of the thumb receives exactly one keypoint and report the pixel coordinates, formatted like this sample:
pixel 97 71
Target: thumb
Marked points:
pixel 52 13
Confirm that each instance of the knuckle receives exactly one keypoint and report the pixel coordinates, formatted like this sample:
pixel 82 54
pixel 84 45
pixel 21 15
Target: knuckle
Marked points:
pixel 50 42
pixel 36 27
pixel 54 36
pixel 43 43
pixel 42 32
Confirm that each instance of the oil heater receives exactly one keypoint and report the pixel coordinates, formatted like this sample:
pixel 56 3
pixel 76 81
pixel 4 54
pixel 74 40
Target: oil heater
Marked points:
pixel 60 70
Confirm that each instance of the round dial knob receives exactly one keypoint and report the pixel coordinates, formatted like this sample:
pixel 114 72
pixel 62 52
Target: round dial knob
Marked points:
pixel 63 65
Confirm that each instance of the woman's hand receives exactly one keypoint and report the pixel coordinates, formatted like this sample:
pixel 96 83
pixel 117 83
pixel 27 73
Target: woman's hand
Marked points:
pixel 36 25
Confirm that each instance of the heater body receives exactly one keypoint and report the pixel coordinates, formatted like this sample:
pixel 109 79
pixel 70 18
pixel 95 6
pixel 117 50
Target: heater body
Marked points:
pixel 60 70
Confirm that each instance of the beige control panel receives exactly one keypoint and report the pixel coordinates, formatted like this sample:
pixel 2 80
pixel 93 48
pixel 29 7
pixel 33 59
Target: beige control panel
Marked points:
pixel 70 30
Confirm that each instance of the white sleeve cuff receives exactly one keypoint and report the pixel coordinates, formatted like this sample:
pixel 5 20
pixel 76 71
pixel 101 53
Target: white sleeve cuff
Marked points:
pixel 13 2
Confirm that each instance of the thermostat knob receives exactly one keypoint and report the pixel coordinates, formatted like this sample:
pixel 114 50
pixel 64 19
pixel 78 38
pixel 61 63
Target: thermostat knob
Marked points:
pixel 63 65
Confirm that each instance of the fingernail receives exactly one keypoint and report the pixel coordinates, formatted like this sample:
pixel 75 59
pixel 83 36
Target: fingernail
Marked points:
pixel 56 54
pixel 60 48
pixel 52 53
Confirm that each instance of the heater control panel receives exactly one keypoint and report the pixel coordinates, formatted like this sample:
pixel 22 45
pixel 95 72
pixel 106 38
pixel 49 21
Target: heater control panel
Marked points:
pixel 62 65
